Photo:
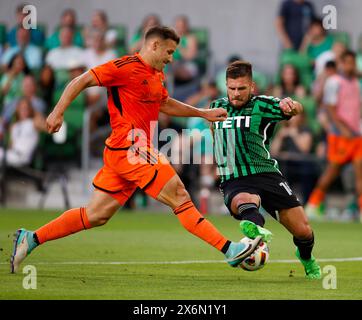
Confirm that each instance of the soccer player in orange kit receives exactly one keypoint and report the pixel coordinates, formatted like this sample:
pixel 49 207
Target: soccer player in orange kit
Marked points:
pixel 136 95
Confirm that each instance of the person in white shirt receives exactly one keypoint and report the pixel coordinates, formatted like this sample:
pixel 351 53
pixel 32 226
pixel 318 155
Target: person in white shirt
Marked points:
pixel 97 53
pixel 334 54
pixel 65 55
pixel 24 136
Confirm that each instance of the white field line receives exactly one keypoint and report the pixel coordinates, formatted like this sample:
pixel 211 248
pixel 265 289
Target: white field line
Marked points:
pixel 178 262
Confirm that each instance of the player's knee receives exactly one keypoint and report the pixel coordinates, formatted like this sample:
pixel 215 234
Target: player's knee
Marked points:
pixel 243 198
pixel 181 195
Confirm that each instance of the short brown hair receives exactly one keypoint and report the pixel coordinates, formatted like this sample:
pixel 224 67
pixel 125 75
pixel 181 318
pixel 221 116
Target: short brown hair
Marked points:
pixel 162 32
pixel 239 69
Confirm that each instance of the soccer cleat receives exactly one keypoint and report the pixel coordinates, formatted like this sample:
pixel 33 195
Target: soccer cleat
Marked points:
pixel 24 243
pixel 251 230
pixel 238 251
pixel 314 212
pixel 311 267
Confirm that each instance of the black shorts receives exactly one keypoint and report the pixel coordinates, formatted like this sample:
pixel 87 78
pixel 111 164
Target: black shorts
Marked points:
pixel 273 189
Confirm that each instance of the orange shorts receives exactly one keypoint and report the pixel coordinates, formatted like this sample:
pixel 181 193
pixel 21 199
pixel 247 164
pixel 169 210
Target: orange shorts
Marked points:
pixel 342 150
pixel 125 170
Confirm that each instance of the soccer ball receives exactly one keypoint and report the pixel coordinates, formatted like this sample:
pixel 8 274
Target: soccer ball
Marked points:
pixel 257 259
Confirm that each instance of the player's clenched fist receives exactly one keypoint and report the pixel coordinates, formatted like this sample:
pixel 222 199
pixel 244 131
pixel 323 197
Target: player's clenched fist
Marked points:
pixel 54 122
pixel 289 107
pixel 217 114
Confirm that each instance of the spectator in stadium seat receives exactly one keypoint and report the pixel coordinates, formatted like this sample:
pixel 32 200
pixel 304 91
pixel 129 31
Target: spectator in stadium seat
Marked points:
pixel 29 91
pixel 68 20
pixel 292 146
pixel 24 136
pixel 316 40
pixel 335 54
pixel 12 79
pixel 99 22
pixel 32 53
pixel 148 22
pixel 94 56
pixel 67 53
pixel 97 53
pixel 184 66
pixel 293 22
pixel 36 35
pixel 289 83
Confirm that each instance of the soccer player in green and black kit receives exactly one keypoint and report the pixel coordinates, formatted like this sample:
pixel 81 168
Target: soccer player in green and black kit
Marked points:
pixel 249 176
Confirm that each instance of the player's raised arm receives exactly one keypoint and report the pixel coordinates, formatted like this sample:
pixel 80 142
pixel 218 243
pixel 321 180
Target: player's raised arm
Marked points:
pixel 176 108
pixel 72 90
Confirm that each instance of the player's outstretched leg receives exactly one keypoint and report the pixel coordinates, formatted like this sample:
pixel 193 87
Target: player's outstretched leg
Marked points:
pixel 175 195
pixel 98 212
pixel 295 220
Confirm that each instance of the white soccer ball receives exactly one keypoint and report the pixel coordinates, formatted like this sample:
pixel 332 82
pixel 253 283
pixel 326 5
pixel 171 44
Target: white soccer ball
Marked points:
pixel 257 259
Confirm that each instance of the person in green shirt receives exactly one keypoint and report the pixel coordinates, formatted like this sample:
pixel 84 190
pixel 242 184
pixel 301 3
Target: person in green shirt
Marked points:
pixel 250 177
pixel 68 19
pixel 316 40
pixel 11 81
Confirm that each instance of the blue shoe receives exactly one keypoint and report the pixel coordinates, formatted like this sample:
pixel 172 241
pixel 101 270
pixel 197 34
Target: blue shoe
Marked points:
pixel 23 244
pixel 238 251
pixel 251 230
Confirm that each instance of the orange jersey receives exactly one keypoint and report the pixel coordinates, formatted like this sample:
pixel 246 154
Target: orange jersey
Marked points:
pixel 135 93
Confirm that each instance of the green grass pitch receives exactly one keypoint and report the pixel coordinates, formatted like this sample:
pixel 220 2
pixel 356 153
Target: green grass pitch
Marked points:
pixel 79 266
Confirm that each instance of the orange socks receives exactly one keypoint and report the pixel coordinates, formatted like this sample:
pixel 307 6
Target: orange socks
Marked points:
pixel 75 220
pixel 317 197
pixel 71 221
pixel 195 223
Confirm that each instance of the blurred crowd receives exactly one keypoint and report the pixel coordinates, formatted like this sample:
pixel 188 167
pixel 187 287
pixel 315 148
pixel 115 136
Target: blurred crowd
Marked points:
pixel 36 65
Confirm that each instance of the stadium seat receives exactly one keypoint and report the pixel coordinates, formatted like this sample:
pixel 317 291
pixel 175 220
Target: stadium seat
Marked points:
pixel 310 110
pixel 74 119
pixel 2 34
pixel 202 36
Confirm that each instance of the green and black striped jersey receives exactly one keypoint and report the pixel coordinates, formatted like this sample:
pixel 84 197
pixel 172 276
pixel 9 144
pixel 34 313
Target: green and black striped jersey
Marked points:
pixel 241 142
